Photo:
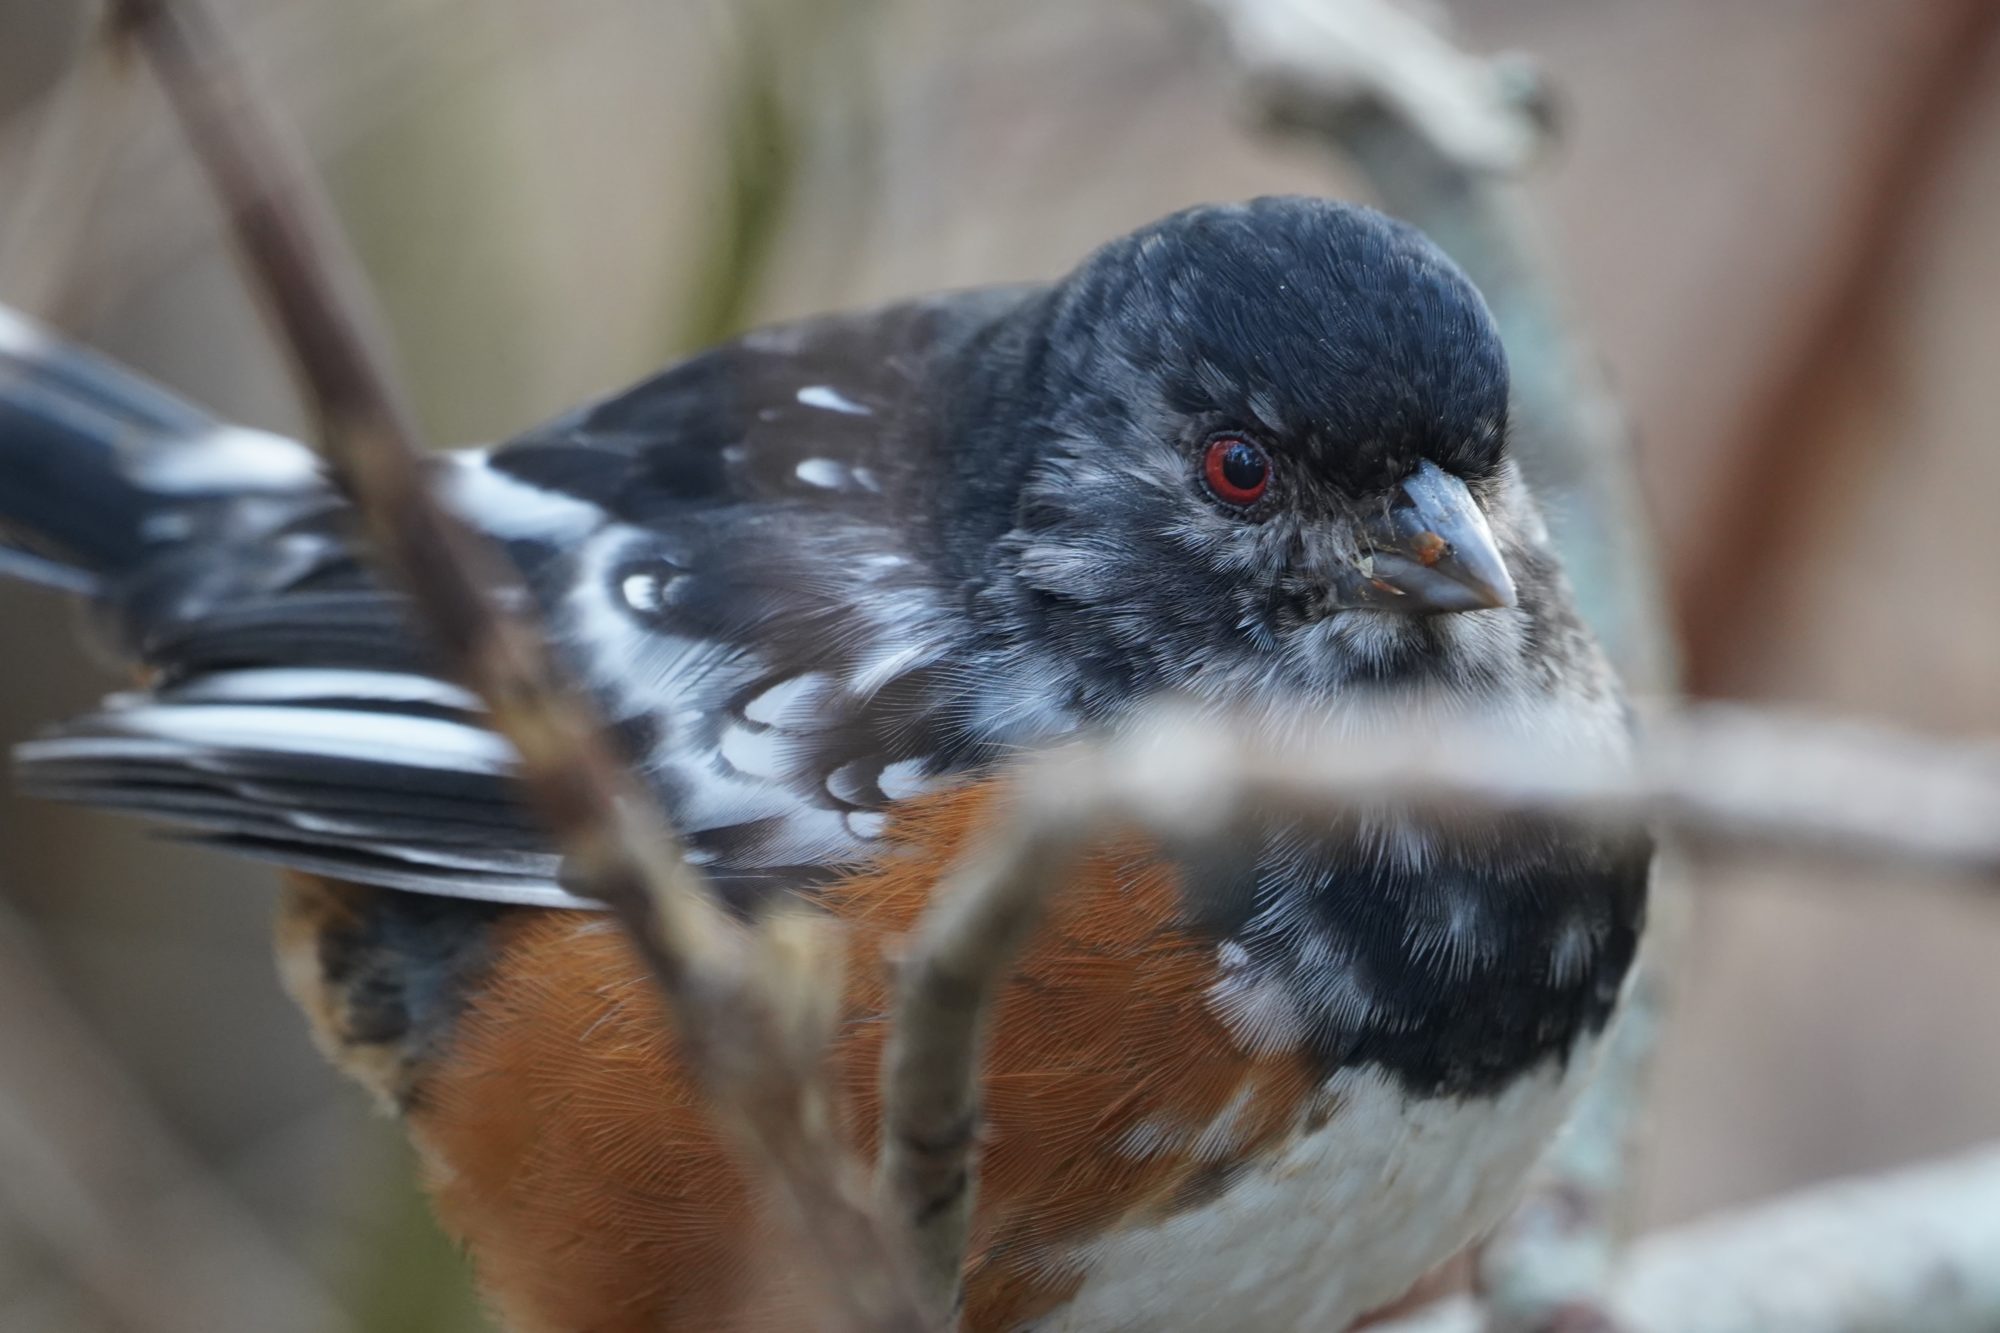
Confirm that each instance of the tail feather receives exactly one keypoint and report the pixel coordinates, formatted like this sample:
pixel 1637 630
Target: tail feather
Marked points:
pixel 27 567
pixel 93 457
pixel 289 713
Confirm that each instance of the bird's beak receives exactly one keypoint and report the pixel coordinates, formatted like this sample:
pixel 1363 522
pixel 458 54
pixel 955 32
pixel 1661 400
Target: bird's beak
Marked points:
pixel 1432 552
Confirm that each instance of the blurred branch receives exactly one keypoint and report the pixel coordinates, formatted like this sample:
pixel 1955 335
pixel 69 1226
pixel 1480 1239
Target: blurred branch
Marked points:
pixel 1755 506
pixel 755 1010
pixel 79 125
pixel 88 1166
pixel 757 177
pixel 1913 1249
pixel 981 915
pixel 1810 787
pixel 1385 60
pixel 798 124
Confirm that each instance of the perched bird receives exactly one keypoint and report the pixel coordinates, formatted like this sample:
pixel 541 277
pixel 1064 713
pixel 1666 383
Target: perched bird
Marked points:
pixel 825 579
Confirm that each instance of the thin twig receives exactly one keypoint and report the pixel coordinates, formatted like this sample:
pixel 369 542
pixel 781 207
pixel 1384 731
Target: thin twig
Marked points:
pixel 1379 57
pixel 1816 786
pixel 1836 789
pixel 756 1012
pixel 79 124
pixel 1913 1249
pixel 982 915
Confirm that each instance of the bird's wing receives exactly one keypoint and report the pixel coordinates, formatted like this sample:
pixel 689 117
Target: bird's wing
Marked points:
pixel 725 554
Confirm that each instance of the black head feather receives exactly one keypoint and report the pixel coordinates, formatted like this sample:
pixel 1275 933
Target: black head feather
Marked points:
pixel 1344 343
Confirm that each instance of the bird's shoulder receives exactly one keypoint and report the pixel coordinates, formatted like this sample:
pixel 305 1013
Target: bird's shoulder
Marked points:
pixel 831 411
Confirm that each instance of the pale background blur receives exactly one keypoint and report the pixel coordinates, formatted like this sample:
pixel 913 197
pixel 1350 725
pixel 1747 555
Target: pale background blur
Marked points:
pixel 1780 219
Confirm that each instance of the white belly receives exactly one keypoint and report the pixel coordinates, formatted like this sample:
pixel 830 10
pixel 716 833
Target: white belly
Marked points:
pixel 1344 1220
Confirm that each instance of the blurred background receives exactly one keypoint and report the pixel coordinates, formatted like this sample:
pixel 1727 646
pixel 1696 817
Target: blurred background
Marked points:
pixel 1776 220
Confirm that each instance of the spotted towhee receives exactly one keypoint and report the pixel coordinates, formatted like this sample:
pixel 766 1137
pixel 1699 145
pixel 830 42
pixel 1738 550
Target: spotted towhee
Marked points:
pixel 824 579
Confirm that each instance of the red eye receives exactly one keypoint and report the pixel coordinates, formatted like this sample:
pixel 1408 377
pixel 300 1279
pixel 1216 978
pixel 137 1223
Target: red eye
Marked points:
pixel 1237 471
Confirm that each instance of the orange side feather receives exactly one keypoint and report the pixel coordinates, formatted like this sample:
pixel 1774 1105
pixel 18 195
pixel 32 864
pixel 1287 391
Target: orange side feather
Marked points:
pixel 567 1148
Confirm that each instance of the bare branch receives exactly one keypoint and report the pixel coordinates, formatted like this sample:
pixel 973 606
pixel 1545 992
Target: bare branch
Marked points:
pixel 1715 772
pixel 1776 460
pixel 78 125
pixel 1913 1249
pixel 1386 58
pixel 981 916
pixel 756 1033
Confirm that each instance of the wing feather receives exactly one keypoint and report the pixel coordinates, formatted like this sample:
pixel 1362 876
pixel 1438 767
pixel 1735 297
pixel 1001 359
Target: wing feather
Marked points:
pixel 724 553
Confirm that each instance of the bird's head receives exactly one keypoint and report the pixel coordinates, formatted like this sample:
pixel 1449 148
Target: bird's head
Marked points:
pixel 1272 438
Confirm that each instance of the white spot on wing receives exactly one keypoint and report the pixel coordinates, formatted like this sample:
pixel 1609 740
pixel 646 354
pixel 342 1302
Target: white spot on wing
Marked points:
pixel 889 663
pixel 166 526
pixel 642 592
pixel 808 836
pixel 508 507
pixel 748 773
pixel 866 823
pixel 752 752
pixel 787 696
pixel 903 779
pixel 822 472
pixel 830 399
pixel 849 783
pixel 19 337
pixel 228 458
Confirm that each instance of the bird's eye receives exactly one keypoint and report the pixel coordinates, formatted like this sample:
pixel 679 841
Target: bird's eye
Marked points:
pixel 1237 471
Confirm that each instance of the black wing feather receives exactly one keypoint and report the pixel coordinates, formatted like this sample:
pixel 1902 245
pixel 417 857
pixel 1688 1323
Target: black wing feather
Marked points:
pixel 750 481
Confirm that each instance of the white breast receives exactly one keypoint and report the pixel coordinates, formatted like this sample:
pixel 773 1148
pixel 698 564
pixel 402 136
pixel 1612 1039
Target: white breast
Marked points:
pixel 1342 1221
